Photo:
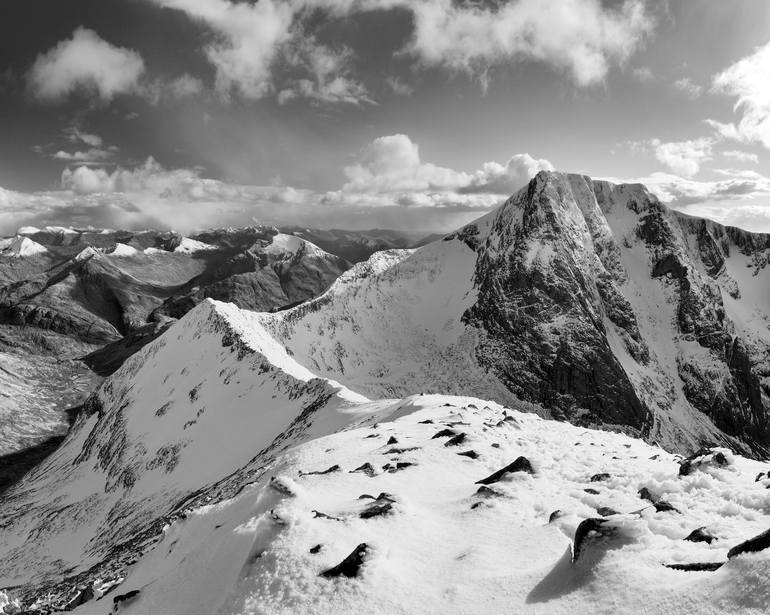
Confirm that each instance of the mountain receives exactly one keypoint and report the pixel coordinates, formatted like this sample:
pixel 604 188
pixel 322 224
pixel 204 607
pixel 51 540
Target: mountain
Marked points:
pixel 590 299
pixel 213 473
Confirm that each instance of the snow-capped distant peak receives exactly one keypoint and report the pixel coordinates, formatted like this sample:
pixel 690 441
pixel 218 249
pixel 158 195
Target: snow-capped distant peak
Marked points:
pixel 122 249
pixel 292 244
pixel 28 230
pixel 21 246
pixel 188 246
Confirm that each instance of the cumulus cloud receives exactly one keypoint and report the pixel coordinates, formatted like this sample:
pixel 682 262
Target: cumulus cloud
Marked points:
pixel 683 157
pixel 582 37
pixel 85 61
pixel 392 165
pixel 747 80
pixel 389 185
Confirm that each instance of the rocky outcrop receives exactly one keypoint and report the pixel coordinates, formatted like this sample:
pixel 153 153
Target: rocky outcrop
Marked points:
pixel 598 302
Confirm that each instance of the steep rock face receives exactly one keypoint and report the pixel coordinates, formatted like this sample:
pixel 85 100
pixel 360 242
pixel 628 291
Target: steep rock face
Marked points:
pixel 543 288
pixel 609 302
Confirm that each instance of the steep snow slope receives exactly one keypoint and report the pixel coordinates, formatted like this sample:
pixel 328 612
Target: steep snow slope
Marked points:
pixel 392 326
pixel 441 546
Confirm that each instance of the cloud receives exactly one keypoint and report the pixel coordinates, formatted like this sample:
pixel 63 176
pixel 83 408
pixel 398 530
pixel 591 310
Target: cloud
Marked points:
pixel 91 155
pixel 75 135
pixel 247 40
pixel 683 157
pixel 741 156
pixel 689 87
pixel 388 185
pixel 93 150
pixel 747 80
pixel 390 171
pixel 85 62
pixel 330 75
pixel 582 37
pixel 255 42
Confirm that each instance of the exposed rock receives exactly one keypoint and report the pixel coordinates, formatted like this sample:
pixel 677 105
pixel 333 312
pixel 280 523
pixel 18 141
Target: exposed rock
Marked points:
pixel 470 454
pixel 392 440
pixel 487 492
pixel 606 511
pixel 321 515
pixel 383 505
pixel 456 440
pixel 700 567
pixel 596 478
pixel 703 457
pixel 587 530
pixel 350 566
pixel 128 596
pixel 316 549
pixel 700 535
pixel 521 464
pixel 661 506
pixel 334 468
pixel 758 543
pixel 555 515
pixel 444 433
pixel 365 468
pixel 645 494
pixel 591 491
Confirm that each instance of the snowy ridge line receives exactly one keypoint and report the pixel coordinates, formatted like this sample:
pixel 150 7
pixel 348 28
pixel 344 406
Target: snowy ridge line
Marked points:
pixel 131 462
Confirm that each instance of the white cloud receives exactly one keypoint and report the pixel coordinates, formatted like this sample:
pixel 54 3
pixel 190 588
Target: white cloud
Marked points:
pixel 741 156
pixel 330 75
pixel 254 41
pixel 747 80
pixel 389 185
pixel 689 87
pixel 248 38
pixel 582 37
pixel 85 62
pixel 94 154
pixel 683 157
pixel 390 170
pixel 75 135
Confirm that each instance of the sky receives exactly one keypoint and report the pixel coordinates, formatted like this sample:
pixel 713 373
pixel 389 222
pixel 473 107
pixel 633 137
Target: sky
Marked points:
pixel 409 114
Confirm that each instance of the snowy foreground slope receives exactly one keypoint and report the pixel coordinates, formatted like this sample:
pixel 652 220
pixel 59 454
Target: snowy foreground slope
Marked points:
pixel 197 482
